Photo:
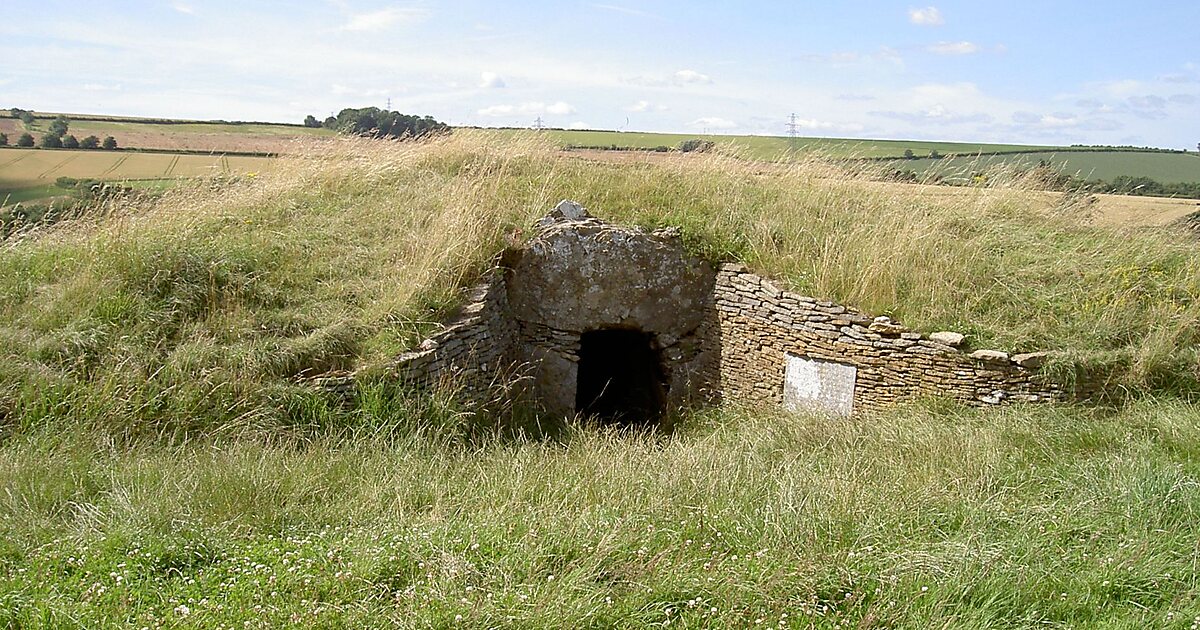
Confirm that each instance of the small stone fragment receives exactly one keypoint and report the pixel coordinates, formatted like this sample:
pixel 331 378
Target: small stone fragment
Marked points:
pixel 948 338
pixel 885 326
pixel 1031 360
pixel 994 356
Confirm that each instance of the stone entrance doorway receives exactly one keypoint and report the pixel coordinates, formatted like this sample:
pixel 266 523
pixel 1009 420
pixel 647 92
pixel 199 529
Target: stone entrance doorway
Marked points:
pixel 621 378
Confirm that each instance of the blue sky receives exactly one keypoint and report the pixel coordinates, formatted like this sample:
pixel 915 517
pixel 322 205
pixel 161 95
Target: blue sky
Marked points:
pixel 1097 72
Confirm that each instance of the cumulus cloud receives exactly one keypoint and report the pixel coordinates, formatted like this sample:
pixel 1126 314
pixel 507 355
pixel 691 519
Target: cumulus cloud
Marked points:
pixel 645 106
pixel 928 16
pixel 954 48
pixel 691 76
pixel 183 8
pixel 679 79
pixel 382 19
pixel 490 80
pixel 528 109
pixel 936 114
pixel 620 9
pixel 712 122
pixel 579 124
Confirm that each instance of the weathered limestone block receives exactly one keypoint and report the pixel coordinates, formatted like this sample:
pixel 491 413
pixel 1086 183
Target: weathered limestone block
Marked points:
pixel 1031 360
pixel 992 356
pixel 581 275
pixel 948 338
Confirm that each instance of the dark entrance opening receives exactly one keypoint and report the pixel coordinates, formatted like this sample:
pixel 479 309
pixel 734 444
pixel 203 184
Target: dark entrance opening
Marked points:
pixel 621 377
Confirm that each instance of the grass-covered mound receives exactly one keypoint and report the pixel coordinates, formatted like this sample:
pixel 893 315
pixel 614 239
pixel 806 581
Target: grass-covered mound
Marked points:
pixel 202 311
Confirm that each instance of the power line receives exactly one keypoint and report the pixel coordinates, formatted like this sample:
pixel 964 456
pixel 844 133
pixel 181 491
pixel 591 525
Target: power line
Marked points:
pixel 793 129
pixel 389 104
pixel 539 124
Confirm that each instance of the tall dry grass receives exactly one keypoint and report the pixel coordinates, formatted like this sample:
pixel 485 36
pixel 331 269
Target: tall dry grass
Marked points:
pixel 204 308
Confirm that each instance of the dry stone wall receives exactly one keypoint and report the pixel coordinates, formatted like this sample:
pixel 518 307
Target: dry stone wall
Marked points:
pixel 769 338
pixel 720 334
pixel 472 350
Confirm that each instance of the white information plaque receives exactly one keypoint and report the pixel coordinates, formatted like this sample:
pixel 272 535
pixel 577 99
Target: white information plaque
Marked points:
pixel 819 385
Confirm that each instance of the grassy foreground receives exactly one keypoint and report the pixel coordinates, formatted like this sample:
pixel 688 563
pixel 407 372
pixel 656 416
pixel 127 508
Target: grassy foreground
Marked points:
pixel 926 517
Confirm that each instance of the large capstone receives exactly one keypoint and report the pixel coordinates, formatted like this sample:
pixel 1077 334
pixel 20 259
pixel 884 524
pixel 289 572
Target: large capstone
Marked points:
pixel 577 277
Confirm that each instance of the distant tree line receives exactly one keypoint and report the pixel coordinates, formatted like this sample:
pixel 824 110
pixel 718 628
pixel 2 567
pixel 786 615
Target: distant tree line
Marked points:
pixel 56 136
pixel 380 123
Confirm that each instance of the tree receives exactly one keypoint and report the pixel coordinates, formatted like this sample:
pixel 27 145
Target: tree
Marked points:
pixel 377 123
pixel 330 123
pixel 90 142
pixel 934 155
pixel 27 118
pixel 909 155
pixel 15 112
pixel 3 139
pixel 694 145
pixel 109 143
pixel 51 141
pixel 59 126
pixel 70 142
pixel 26 140
pixel 311 121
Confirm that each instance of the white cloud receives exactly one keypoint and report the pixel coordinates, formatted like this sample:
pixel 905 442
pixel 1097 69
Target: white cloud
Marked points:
pixel 490 80
pixel 619 9
pixel 183 8
pixel 691 76
pixel 96 87
pixel 645 106
pixel 954 48
pixel 528 109
pixel 929 16
pixel 812 123
pixel 712 122
pixel 579 124
pixel 382 19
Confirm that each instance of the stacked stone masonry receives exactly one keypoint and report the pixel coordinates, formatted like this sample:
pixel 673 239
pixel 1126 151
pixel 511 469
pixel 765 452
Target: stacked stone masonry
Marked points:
pixel 721 334
pixel 760 326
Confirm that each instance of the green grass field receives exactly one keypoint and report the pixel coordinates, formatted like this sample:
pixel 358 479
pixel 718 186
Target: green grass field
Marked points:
pixel 1092 163
pixel 775 148
pixel 162 465
pixel 1167 168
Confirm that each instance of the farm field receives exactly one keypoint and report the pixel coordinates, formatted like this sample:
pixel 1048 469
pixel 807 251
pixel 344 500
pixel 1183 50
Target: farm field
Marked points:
pixel 183 136
pixel 773 147
pixel 1167 168
pixel 24 171
pixel 1092 163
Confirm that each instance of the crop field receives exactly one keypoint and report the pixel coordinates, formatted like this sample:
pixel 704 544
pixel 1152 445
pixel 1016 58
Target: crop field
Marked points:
pixel 1090 163
pixel 774 147
pixel 23 172
pixel 186 136
pixel 1167 168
